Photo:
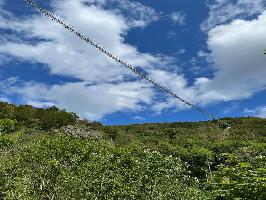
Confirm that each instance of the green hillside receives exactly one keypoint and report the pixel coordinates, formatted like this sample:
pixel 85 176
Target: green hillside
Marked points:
pixel 51 154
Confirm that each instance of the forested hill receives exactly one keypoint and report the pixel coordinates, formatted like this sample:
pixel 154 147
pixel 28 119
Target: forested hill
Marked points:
pixel 52 154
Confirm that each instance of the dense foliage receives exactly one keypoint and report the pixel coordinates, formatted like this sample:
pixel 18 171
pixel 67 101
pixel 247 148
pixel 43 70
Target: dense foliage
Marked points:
pixel 37 117
pixel 7 125
pixel 59 167
pixel 38 160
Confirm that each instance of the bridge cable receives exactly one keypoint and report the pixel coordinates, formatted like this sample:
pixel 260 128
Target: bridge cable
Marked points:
pixel 121 61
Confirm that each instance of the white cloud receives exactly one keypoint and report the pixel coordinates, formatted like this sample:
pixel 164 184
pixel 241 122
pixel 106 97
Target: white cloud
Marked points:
pixel 224 11
pixel 104 87
pixel 171 34
pixel 237 55
pixel 92 102
pixel 135 13
pixel 237 51
pixel 258 111
pixel 181 51
pixel 230 109
pixel 39 104
pixel 65 54
pixel 139 118
pixel 178 84
pixel 178 18
pixel 4 99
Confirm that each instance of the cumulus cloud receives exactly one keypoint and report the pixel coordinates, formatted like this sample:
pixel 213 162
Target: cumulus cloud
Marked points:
pixel 181 51
pixel 92 102
pixel 66 55
pixel 237 52
pixel 104 87
pixel 224 11
pixel 4 99
pixel 139 118
pixel 135 13
pixel 178 18
pixel 259 111
pixel 238 64
pixel 178 84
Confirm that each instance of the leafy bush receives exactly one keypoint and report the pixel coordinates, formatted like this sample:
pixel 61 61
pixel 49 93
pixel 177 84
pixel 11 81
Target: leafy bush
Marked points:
pixel 60 167
pixel 40 118
pixel 7 125
pixel 199 160
pixel 5 142
pixel 150 161
pixel 111 132
pixel 94 125
pixel 240 182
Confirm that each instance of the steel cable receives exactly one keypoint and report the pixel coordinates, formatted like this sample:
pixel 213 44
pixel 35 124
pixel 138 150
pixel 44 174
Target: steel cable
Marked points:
pixel 121 61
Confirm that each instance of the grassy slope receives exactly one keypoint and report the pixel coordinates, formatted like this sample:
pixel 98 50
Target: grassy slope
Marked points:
pixel 149 161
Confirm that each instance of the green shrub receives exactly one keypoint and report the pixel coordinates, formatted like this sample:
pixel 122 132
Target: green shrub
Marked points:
pixel 5 142
pixel 42 118
pixel 149 161
pixel 59 167
pixel 111 132
pixel 242 181
pixel 199 160
pixel 7 125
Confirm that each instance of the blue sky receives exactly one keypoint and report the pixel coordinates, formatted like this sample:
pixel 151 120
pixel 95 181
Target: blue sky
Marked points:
pixel 208 52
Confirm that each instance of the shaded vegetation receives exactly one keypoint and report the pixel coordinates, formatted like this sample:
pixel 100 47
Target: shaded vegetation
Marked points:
pixel 39 160
pixel 30 117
